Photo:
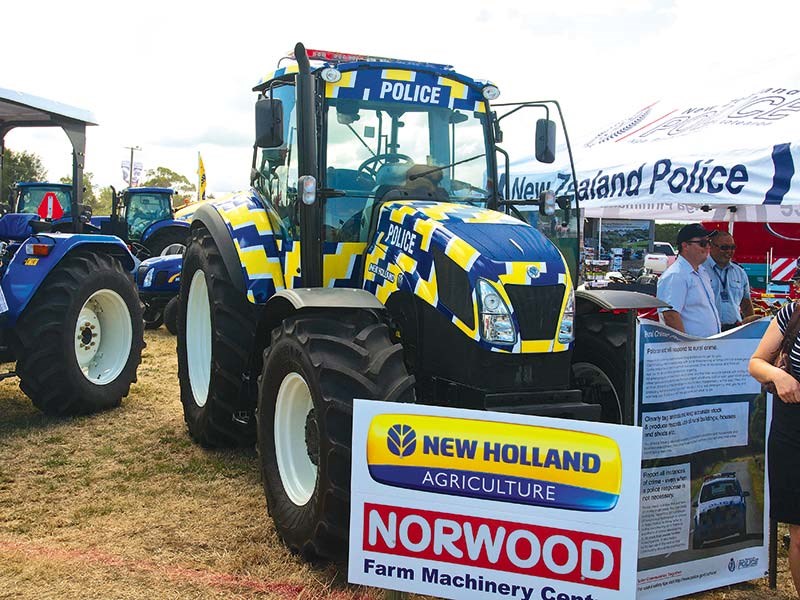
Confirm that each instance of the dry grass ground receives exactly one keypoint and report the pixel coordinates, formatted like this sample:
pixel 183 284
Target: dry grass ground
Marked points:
pixel 123 505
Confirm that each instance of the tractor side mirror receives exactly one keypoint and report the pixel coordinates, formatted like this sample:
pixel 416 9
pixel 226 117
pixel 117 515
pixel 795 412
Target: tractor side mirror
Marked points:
pixel 269 123
pixel 545 141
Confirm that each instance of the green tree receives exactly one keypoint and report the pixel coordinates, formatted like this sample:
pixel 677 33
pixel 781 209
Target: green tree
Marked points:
pixel 164 177
pixel 20 166
pixel 88 189
pixel 103 203
pixel 668 232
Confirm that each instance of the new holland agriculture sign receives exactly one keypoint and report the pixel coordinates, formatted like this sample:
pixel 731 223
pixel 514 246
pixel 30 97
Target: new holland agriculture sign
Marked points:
pixel 463 504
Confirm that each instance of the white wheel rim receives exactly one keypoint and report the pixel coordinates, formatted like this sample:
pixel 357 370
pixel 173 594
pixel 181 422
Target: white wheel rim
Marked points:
pixel 103 337
pixel 298 473
pixel 198 338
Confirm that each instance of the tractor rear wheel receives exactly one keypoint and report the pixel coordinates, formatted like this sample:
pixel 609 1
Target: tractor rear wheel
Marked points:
pixel 80 338
pixel 166 237
pixel 215 346
pixel 171 316
pixel 598 365
pixel 316 364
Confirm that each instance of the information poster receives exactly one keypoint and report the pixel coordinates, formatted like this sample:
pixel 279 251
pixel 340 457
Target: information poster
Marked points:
pixel 474 504
pixel 703 516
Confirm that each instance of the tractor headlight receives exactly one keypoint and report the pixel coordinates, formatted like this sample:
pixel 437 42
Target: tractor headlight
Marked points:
pixel 495 317
pixel 148 278
pixel 566 334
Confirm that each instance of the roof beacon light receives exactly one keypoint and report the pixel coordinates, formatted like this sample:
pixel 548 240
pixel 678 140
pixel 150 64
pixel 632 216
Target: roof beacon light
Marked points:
pixel 344 57
pixel 331 75
pixel 490 92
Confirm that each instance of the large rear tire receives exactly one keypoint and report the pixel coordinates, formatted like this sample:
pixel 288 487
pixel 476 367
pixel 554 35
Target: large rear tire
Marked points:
pixel 161 239
pixel 81 337
pixel 216 327
pixel 598 364
pixel 316 364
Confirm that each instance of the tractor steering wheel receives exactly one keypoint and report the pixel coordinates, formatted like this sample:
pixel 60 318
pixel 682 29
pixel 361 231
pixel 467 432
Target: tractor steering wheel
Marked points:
pixel 370 170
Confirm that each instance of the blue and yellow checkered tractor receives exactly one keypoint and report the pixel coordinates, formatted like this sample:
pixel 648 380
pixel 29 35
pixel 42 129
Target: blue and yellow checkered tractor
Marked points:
pixel 376 255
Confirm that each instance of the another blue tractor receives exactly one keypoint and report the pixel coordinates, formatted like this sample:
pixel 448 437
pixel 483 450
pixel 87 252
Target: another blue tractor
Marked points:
pixel 144 218
pixel 159 281
pixel 69 313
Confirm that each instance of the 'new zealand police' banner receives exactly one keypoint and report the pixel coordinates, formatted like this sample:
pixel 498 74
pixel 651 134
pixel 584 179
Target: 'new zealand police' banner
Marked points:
pixel 688 161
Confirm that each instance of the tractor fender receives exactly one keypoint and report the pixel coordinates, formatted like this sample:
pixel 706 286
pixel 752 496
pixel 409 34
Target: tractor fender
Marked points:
pixel 25 273
pixel 161 225
pixel 616 300
pixel 288 301
pixel 208 217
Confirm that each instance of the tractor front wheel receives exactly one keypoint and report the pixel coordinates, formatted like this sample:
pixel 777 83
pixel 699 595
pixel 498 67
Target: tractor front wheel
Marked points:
pixel 215 348
pixel 315 366
pixel 81 337
pixel 171 316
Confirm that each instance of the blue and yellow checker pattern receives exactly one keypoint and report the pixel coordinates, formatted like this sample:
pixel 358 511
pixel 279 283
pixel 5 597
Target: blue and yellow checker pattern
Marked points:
pixel 483 243
pixel 270 261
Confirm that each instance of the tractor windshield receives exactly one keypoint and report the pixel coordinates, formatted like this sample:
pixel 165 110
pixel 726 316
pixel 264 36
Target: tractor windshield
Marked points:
pixel 428 151
pixel 49 202
pixel 144 209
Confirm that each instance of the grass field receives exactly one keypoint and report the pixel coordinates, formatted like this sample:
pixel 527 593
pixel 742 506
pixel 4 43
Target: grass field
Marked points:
pixel 123 505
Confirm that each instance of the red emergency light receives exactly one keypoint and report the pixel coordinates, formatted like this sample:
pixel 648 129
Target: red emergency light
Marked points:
pixel 342 57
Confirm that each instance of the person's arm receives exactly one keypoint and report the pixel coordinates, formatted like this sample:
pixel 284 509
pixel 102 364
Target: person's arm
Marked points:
pixel 748 313
pixel 762 369
pixel 672 318
pixel 746 305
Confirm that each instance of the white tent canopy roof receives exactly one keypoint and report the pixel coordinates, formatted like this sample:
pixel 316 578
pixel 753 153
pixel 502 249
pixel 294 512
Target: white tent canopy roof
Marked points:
pixel 735 159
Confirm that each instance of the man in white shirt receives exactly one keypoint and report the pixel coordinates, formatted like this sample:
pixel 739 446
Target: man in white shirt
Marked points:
pixel 729 281
pixel 687 288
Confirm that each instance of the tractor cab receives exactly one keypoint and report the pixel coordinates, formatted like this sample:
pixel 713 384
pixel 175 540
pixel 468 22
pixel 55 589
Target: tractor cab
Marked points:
pixel 143 207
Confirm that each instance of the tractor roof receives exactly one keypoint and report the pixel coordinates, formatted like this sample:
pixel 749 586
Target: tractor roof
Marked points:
pixel 350 62
pixel 42 184
pixel 150 190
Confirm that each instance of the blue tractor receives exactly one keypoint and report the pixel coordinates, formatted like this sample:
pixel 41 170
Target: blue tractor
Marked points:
pixel 144 217
pixel 51 202
pixel 159 281
pixel 69 313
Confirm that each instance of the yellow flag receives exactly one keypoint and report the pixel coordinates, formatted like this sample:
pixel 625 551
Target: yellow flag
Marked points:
pixel 201 172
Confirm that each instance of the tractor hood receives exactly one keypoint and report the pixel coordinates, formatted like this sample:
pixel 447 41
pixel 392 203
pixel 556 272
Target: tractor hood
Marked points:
pixel 440 252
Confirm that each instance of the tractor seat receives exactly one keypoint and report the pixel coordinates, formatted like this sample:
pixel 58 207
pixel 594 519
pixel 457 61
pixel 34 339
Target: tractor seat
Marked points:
pixel 17 226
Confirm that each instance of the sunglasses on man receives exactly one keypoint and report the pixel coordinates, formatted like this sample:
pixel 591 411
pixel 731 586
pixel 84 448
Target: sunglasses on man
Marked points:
pixel 701 243
pixel 726 247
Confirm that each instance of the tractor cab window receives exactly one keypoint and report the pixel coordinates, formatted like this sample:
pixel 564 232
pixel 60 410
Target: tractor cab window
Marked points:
pixel 49 203
pixel 276 172
pixel 145 209
pixel 425 152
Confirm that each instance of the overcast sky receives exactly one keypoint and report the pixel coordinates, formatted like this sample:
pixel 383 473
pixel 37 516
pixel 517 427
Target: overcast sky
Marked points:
pixel 175 77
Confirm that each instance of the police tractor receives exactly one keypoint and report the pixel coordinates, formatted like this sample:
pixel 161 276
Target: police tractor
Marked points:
pixel 376 256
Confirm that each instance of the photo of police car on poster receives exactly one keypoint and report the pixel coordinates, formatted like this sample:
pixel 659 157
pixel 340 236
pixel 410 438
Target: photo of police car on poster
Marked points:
pixel 704 421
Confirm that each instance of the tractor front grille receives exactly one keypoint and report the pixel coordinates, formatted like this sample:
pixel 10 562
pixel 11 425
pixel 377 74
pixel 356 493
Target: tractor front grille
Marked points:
pixel 537 309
